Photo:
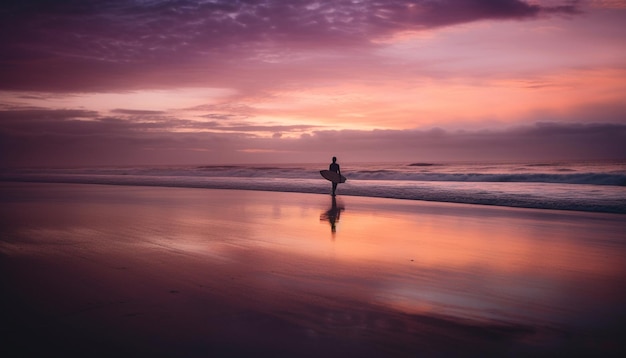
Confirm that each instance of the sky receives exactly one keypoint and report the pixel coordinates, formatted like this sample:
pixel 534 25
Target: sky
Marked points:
pixel 127 82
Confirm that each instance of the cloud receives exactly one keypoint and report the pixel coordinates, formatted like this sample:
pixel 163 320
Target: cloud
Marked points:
pixel 107 44
pixel 540 141
pixel 75 137
pixel 30 115
pixel 266 128
pixel 223 116
pixel 131 122
pixel 608 4
pixel 137 112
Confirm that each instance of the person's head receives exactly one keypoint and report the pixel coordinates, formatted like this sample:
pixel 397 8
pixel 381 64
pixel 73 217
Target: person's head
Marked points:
pixel 334 159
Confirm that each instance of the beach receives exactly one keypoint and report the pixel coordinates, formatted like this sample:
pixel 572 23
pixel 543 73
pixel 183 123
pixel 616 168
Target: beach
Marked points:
pixel 102 270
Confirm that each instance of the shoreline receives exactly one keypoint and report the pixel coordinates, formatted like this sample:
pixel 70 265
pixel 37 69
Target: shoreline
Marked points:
pixel 178 271
pixel 317 189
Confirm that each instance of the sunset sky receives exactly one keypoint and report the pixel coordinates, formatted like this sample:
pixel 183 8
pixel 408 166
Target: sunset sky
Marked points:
pixel 111 82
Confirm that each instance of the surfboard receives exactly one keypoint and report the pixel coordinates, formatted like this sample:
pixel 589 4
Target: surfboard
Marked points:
pixel 332 176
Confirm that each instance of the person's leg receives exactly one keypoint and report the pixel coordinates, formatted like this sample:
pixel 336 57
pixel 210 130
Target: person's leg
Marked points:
pixel 334 188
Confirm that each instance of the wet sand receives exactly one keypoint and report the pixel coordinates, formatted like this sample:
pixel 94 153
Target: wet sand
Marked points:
pixel 96 270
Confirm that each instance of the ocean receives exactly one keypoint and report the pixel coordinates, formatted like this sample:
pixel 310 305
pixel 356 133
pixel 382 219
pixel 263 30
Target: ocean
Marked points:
pixel 579 186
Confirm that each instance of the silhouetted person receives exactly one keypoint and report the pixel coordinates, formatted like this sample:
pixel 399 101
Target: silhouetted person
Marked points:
pixel 334 167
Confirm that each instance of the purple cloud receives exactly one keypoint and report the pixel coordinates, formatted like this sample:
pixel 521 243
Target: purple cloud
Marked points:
pixel 137 112
pixel 64 137
pixel 107 44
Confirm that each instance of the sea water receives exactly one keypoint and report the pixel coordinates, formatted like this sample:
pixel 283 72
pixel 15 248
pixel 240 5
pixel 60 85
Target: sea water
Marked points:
pixel 581 186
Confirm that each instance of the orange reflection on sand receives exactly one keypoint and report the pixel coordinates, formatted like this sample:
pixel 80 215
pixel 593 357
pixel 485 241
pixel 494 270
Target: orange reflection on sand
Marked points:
pixel 507 244
pixel 501 244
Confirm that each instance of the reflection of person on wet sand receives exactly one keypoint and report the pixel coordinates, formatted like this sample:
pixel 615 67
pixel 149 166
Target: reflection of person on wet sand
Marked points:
pixel 332 215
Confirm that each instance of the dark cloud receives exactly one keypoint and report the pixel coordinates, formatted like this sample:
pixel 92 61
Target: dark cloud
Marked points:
pixel 538 141
pixel 75 137
pixel 77 121
pixel 106 44
pixel 44 115
pixel 270 128
pixel 223 116
pixel 137 112
pixel 80 137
